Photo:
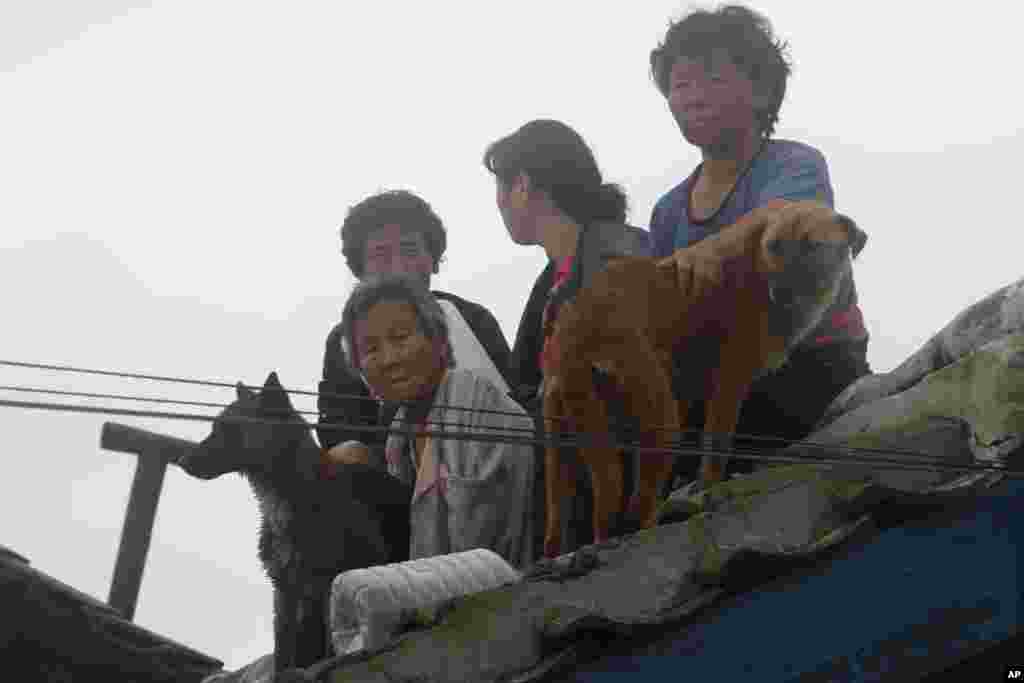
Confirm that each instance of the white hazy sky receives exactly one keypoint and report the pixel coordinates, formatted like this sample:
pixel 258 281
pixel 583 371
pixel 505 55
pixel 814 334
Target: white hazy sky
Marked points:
pixel 173 175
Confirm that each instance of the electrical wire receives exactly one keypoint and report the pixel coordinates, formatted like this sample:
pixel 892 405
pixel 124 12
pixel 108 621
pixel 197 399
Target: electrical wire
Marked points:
pixel 550 440
pixel 613 422
pixel 213 383
pixel 223 406
pixel 434 423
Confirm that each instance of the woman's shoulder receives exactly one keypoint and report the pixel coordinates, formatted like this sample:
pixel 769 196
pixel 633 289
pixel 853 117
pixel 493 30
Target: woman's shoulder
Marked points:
pixel 612 238
pixel 473 391
pixel 791 151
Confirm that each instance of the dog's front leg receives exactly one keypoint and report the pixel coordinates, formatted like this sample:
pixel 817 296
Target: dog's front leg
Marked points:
pixel 606 476
pixel 311 631
pixel 588 414
pixel 559 476
pixel 682 411
pixel 739 363
pixel 285 613
pixel 646 388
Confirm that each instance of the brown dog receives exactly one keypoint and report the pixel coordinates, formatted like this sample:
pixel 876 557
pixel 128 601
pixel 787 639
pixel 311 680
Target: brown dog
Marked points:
pixel 725 310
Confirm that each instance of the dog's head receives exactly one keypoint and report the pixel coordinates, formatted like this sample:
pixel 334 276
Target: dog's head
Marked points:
pixel 246 436
pixel 806 250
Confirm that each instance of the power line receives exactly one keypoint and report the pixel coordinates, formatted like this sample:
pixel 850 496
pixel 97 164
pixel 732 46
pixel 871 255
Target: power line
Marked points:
pixel 437 423
pixel 559 441
pixel 210 383
pixel 113 373
pixel 613 422
pixel 222 406
pixel 121 397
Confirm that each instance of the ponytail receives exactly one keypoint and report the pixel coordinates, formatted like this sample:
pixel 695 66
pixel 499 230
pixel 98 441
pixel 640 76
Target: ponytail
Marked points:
pixel 558 161
pixel 609 203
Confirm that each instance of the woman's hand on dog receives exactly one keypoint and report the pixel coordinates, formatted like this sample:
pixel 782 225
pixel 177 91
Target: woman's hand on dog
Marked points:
pixel 348 453
pixel 698 268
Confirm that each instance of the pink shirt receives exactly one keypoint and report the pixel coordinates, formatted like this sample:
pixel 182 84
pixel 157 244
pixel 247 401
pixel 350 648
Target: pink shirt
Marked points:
pixel 549 352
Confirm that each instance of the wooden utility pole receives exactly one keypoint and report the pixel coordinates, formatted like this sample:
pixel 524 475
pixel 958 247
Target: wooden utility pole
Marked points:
pixel 153 451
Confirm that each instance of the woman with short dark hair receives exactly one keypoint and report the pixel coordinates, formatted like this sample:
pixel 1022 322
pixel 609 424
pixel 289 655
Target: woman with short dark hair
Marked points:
pixel 396 231
pixel 392 207
pixel 723 74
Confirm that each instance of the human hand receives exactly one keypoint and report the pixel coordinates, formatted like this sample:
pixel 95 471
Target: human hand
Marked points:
pixel 698 268
pixel 348 453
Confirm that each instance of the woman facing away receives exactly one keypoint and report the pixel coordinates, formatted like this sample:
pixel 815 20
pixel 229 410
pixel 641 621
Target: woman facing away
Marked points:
pixel 466 493
pixel 550 193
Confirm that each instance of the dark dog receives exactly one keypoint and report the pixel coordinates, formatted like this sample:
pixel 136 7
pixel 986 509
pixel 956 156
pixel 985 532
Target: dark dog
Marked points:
pixel 312 528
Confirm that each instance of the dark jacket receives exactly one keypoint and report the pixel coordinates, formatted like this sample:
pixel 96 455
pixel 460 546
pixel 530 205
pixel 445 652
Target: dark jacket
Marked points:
pixel 596 244
pixel 358 408
pixel 525 370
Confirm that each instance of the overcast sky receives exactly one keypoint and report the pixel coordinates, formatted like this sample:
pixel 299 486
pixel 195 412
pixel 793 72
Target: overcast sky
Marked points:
pixel 173 175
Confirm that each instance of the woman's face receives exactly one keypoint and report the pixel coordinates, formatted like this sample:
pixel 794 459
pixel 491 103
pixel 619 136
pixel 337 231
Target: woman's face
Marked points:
pixel 400 363
pixel 397 249
pixel 711 100
pixel 514 206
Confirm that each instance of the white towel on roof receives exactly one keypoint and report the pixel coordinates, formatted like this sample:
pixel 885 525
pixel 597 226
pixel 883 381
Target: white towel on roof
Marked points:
pixel 369 605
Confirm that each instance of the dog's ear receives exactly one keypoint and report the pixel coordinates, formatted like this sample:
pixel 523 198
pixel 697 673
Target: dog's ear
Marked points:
pixel 857 237
pixel 273 391
pixel 242 391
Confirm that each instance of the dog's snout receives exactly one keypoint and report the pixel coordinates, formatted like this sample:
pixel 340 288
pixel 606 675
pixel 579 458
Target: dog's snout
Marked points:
pixel 199 464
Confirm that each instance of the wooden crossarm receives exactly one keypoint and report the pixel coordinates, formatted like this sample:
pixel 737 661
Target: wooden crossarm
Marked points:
pixel 153 451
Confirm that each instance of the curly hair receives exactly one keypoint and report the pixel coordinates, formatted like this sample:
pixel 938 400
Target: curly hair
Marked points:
pixel 557 160
pixel 745 35
pixel 397 207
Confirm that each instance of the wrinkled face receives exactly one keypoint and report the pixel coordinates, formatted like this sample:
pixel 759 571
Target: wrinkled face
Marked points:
pixel 514 206
pixel 399 362
pixel 394 250
pixel 711 100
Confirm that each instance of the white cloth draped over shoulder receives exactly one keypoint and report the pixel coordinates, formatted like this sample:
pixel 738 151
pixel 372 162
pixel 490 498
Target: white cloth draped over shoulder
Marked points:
pixel 468 493
pixel 469 353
